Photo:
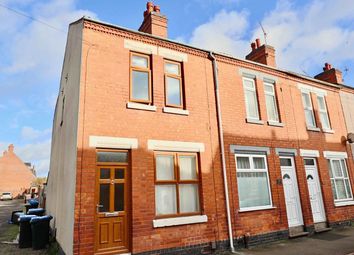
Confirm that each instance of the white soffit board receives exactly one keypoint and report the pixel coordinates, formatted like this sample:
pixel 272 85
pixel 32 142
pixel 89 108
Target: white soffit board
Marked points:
pixel 307 88
pixel 173 55
pixel 175 146
pixel 113 142
pixel 309 153
pixel 140 47
pixel 179 221
pixel 335 154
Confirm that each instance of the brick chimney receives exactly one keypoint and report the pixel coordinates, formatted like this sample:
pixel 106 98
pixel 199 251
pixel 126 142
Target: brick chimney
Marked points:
pixel 264 54
pixel 154 22
pixel 11 148
pixel 330 74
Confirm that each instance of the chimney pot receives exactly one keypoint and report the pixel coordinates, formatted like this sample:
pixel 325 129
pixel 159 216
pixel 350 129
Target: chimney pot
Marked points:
pixel 11 148
pixel 157 8
pixel 253 46
pixel 258 43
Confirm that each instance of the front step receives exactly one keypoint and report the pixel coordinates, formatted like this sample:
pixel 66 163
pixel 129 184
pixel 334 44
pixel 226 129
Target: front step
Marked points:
pixel 297 231
pixel 321 227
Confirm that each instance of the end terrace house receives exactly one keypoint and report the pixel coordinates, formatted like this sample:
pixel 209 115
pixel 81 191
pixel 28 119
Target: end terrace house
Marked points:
pixel 163 148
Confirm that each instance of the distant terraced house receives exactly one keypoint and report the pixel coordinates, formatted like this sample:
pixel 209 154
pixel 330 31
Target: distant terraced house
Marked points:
pixel 163 148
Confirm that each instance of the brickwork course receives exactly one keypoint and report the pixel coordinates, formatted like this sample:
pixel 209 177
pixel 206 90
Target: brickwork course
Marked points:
pixel 103 111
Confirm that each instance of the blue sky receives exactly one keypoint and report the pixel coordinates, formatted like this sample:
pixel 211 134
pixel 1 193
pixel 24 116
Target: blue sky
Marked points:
pixel 305 34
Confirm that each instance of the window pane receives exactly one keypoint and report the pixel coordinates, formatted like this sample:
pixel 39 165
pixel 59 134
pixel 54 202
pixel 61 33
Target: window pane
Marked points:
pixel 272 111
pixel 248 84
pixel 187 167
pixel 309 162
pixel 336 168
pixel 329 168
pixel 285 162
pixel 269 88
pixel 347 185
pixel 341 189
pixel 310 121
pixel 259 163
pixel 173 91
pixel 111 156
pixel 321 103
pixel 344 169
pixel 324 120
pixel 334 190
pixel 140 89
pixel 138 61
pixel 253 189
pixel 105 173
pixel 165 199
pixel 188 198
pixel 243 163
pixel 165 167
pixel 306 100
pixel 119 197
pixel 172 68
pixel 119 173
pixel 104 198
pixel 251 104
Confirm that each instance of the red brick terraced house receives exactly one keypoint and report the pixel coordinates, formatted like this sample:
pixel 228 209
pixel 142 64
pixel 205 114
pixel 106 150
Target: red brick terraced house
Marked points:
pixel 162 148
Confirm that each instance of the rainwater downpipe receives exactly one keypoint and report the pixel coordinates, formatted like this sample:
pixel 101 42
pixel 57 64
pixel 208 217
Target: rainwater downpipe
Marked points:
pixel 221 138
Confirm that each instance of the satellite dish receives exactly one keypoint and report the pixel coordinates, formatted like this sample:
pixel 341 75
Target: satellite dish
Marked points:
pixel 350 138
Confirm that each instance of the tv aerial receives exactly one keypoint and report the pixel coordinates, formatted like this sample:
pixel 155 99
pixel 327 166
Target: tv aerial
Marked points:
pixel 264 33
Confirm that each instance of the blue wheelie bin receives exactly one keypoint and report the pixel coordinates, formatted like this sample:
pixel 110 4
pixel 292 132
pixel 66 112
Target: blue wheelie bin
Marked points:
pixel 40 231
pixel 25 239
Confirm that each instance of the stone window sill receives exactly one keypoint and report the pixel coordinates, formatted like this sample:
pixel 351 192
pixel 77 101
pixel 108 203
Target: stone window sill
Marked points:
pixel 254 121
pixel 131 105
pixel 160 223
pixel 261 208
pixel 314 129
pixel 338 204
pixel 175 111
pixel 329 131
pixel 275 124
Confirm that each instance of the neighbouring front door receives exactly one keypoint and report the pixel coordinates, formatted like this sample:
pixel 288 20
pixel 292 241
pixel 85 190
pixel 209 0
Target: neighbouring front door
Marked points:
pixel 315 193
pixel 291 192
pixel 112 210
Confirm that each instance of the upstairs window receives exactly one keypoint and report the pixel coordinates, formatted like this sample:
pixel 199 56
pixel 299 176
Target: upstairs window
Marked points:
pixel 271 102
pixel 323 113
pixel 177 184
pixel 310 117
pixel 339 180
pixel 250 91
pixel 173 84
pixel 140 71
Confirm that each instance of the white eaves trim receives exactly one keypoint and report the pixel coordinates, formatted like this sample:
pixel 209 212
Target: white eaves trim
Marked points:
pixel 140 47
pixel 113 142
pixel 175 146
pixel 309 153
pixel 335 154
pixel 307 88
pixel 160 223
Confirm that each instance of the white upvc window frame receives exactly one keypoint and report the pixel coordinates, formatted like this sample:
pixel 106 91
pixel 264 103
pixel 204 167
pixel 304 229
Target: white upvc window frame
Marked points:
pixel 333 177
pixel 274 104
pixel 323 111
pixel 308 108
pixel 254 91
pixel 253 170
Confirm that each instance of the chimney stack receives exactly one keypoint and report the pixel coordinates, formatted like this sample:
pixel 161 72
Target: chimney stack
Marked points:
pixel 264 54
pixel 154 22
pixel 330 74
pixel 11 148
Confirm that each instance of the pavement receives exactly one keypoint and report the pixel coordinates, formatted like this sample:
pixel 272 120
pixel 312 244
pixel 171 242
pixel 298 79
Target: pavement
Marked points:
pixel 334 242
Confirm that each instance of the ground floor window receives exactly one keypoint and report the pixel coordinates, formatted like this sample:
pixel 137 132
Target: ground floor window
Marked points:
pixel 339 180
pixel 176 184
pixel 253 182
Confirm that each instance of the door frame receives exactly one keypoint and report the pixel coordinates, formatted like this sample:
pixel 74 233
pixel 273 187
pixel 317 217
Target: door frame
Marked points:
pixel 127 197
pixel 319 188
pixel 296 186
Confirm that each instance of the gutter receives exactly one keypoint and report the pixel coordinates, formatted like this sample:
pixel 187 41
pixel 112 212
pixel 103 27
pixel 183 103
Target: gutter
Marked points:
pixel 221 138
